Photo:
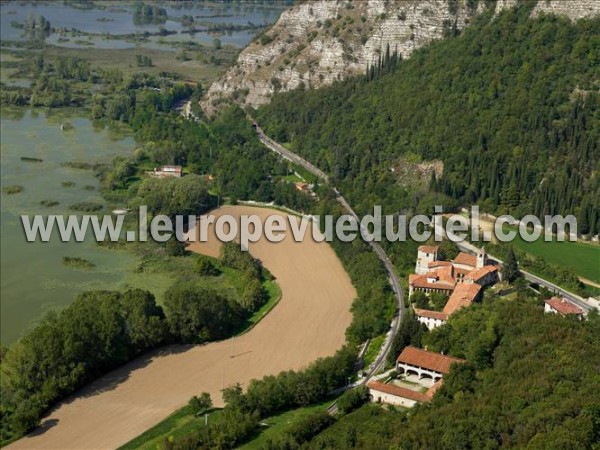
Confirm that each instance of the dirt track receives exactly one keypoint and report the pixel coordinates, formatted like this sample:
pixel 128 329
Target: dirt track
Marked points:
pixel 309 322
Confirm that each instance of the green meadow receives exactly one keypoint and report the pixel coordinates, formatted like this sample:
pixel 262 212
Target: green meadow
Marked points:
pixel 583 258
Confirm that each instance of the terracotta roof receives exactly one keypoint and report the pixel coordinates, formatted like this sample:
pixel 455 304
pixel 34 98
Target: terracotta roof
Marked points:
pixel 433 389
pixel 564 306
pixel 480 273
pixel 421 281
pixel 429 248
pixel 460 271
pixel 434 264
pixel 428 360
pixel 466 259
pixel 431 314
pixel 398 391
pixel 464 294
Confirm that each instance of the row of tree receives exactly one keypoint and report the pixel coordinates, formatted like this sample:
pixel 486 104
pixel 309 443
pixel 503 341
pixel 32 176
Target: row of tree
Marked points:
pixel 244 410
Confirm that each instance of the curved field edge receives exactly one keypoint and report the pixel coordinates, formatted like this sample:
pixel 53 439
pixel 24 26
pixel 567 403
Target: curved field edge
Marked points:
pixel 316 295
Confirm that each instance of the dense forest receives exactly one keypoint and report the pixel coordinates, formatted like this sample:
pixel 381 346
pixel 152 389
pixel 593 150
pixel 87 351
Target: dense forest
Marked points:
pixel 531 382
pixel 510 107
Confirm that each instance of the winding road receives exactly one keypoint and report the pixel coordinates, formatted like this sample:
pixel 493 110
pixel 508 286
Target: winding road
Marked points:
pixel 392 277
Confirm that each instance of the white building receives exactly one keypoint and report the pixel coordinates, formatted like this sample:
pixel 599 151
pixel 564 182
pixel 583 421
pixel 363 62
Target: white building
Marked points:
pixel 426 254
pixel 424 364
pixel 562 306
pixel 395 395
pixel 431 319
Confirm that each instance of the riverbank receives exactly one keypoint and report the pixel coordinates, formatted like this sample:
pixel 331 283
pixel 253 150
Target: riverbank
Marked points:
pixel 309 322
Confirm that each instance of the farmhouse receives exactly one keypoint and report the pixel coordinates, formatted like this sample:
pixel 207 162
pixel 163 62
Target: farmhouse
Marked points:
pixel 416 362
pixel 562 306
pixel 424 364
pixel 166 171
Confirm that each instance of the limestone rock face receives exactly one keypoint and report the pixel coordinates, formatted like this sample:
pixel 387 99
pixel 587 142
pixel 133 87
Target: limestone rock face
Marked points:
pixel 318 42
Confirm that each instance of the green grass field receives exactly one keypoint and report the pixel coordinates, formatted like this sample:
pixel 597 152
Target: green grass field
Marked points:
pixel 276 426
pixel 373 350
pixel 180 423
pixel 584 259
pixel 183 422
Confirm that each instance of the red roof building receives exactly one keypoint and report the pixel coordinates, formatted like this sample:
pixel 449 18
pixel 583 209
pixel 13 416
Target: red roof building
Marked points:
pixel 426 361
pixel 431 319
pixel 429 248
pixel 484 276
pixel 398 391
pixel 464 295
pixel 431 314
pixel 563 307
pixel 466 259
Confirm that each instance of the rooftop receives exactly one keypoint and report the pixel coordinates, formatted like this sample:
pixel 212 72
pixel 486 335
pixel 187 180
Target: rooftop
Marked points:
pixel 398 391
pixel 433 389
pixel 478 274
pixel 464 294
pixel 429 248
pixel 466 259
pixel 434 264
pixel 431 314
pixel 420 281
pixel 171 168
pixel 564 306
pixel 428 360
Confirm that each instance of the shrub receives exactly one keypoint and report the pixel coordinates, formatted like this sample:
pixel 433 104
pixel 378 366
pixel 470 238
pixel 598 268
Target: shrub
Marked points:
pixel 14 189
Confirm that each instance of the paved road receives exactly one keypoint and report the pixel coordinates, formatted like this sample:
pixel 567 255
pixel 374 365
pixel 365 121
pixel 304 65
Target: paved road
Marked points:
pixel 392 277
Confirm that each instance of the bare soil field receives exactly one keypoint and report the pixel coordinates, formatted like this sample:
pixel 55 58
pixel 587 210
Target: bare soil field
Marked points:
pixel 309 322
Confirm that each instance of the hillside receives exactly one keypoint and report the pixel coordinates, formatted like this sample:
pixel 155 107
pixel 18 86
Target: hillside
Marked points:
pixel 510 107
pixel 316 43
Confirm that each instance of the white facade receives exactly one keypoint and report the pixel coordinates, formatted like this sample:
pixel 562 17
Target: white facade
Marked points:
pixel 430 322
pixel 421 372
pixel 424 257
pixel 481 258
pixel 390 399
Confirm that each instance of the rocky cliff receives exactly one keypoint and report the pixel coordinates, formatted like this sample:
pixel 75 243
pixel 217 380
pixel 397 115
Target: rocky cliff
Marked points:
pixel 317 42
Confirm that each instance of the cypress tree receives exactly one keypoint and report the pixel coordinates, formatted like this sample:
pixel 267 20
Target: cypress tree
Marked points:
pixel 511 267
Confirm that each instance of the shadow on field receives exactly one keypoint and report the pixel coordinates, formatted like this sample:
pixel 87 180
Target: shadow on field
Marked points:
pixel 112 379
pixel 45 426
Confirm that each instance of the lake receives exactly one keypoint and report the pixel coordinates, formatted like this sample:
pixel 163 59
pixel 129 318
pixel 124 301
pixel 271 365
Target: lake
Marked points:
pixel 33 277
pixel 117 19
